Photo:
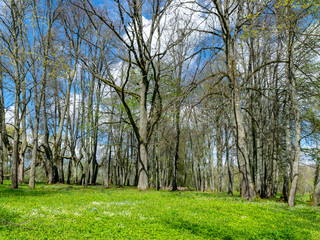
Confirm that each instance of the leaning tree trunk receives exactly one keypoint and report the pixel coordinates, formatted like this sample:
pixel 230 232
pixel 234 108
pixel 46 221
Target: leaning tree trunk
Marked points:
pixel 229 39
pixel 58 139
pixel 246 183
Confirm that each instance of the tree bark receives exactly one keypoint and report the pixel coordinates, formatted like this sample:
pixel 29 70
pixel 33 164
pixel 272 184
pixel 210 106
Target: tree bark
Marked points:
pixel 295 163
pixel 219 144
pixel 16 139
pixel 246 184
pixel 176 155
pixel 316 194
pixel 211 160
pixel 1 157
pixel 230 180
pixel 143 131
pixel 34 156
pixel 48 153
pixel 229 38
pixel 2 126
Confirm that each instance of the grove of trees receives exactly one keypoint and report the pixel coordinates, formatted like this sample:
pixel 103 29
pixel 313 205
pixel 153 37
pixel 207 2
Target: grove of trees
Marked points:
pixel 220 95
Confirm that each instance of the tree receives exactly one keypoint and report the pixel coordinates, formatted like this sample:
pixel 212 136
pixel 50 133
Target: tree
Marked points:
pixel 139 51
pixel 225 11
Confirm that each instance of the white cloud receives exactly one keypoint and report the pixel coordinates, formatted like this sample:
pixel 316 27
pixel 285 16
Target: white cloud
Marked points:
pixel 9 115
pixel 181 18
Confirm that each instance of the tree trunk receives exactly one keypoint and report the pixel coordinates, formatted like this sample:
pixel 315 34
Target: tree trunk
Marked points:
pixel 23 146
pixel 229 39
pixel 316 194
pixel 1 155
pixel 176 155
pixel 143 161
pixel 136 176
pixel 69 171
pixel 2 126
pixel 34 156
pixel 109 167
pixel 60 159
pixel 87 167
pixel 205 177
pixel 21 166
pixel 230 181
pixel 16 138
pixel 246 184
pixel 295 164
pixel 17 80
pixel 211 160
pixel 157 173
pixel 288 154
pixel 219 143
pixel 46 146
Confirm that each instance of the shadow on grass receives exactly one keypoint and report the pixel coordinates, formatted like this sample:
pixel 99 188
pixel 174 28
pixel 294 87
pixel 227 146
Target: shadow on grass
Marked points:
pixel 8 216
pixel 206 195
pixel 226 232
pixel 199 229
pixel 9 220
pixel 46 189
pixel 40 189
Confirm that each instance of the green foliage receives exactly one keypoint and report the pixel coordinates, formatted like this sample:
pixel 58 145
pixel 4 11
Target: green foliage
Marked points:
pixel 72 212
pixel 303 4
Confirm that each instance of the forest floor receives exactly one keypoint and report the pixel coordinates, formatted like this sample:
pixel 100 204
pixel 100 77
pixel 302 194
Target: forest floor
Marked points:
pixel 72 212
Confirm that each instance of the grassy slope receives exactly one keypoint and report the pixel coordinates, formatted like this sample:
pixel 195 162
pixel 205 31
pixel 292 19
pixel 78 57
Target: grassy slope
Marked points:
pixel 71 212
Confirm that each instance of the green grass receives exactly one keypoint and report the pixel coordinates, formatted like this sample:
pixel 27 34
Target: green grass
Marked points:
pixel 72 212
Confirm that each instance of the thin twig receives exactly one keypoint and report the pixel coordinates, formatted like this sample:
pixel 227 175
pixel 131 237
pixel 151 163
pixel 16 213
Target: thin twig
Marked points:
pixel 16 224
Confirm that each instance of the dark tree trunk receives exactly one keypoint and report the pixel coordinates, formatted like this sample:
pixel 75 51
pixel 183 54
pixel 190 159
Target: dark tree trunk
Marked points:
pixel 2 125
pixel 230 180
pixel 69 172
pixel 1 157
pixel 176 155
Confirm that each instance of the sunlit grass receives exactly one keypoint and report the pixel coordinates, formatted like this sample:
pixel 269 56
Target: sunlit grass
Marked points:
pixel 72 212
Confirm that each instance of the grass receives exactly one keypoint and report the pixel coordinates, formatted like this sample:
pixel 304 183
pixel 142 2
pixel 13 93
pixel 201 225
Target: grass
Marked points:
pixel 72 212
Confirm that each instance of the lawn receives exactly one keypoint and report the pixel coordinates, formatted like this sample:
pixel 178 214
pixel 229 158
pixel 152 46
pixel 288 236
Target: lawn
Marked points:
pixel 72 212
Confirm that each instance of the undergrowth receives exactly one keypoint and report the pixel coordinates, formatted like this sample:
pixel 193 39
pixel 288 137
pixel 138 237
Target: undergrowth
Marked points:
pixel 72 212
